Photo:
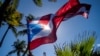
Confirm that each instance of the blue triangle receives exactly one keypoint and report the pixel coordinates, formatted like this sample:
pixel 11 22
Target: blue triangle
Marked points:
pixel 35 29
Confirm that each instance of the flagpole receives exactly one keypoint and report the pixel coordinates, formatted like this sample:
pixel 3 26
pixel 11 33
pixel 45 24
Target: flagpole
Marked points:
pixel 28 46
pixel 28 32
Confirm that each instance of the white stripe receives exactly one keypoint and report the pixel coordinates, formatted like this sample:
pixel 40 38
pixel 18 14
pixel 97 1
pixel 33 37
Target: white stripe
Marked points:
pixel 35 21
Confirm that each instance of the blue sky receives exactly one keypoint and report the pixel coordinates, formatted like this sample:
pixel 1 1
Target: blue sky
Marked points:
pixel 68 30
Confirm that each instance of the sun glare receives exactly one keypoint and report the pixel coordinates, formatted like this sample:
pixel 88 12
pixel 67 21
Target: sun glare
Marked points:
pixel 46 27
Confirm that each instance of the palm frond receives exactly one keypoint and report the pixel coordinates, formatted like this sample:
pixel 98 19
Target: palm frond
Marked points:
pixel 38 2
pixel 11 52
pixel 23 32
pixel 21 25
pixel 14 19
pixel 14 30
pixel 86 46
pixel 81 48
pixel 15 4
pixel 52 0
pixel 22 44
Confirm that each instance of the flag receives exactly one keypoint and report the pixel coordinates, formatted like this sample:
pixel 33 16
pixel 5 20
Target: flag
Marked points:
pixel 43 30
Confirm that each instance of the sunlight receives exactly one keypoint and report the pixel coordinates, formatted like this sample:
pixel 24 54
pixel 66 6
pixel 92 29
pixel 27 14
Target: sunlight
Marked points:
pixel 34 22
pixel 45 27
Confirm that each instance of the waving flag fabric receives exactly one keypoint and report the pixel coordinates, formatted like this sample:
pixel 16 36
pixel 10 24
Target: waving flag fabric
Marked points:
pixel 43 30
pixel 82 9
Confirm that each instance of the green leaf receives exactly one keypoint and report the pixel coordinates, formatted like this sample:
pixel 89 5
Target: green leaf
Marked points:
pixel 23 32
pixel 14 30
pixel 38 2
pixel 15 3
pixel 11 52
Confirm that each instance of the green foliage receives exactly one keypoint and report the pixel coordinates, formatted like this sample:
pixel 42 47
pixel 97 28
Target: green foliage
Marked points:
pixel 15 4
pixel 19 47
pixel 11 17
pixel 14 19
pixel 87 46
pixel 38 2
pixel 82 48
pixel 62 51
pixel 14 30
pixel 22 32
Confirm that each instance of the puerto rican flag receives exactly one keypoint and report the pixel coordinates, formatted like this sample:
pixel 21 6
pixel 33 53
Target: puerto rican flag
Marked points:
pixel 43 30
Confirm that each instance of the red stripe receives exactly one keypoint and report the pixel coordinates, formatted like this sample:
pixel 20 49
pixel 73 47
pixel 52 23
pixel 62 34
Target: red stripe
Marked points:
pixel 65 10
pixel 44 19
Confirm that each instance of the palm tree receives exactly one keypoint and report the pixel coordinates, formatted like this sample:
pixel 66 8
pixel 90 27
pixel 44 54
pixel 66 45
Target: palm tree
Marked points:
pixel 12 18
pixel 6 8
pixel 81 48
pixel 19 47
pixel 12 23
